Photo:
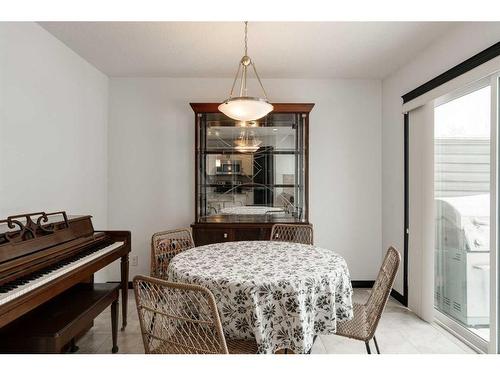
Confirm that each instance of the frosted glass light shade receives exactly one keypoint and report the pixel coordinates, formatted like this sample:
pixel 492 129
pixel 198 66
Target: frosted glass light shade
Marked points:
pixel 245 108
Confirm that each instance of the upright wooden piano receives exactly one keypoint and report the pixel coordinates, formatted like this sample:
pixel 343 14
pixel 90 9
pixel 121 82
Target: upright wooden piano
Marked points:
pixel 47 263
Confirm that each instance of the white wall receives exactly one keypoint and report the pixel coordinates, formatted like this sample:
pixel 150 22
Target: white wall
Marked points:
pixel 151 160
pixel 454 47
pixel 54 138
pixel 53 127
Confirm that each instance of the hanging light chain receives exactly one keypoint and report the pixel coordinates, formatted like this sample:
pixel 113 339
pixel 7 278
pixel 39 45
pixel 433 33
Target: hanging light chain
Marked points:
pixel 243 67
pixel 243 88
pixel 246 38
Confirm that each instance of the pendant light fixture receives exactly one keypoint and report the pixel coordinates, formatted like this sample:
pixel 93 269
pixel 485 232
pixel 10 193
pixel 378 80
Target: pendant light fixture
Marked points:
pixel 244 107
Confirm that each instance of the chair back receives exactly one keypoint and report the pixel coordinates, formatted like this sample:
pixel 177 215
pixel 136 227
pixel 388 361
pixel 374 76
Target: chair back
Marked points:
pixel 165 245
pixel 298 233
pixel 178 318
pixel 381 289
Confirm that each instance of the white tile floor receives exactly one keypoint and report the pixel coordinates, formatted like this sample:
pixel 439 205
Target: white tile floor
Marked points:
pixel 399 331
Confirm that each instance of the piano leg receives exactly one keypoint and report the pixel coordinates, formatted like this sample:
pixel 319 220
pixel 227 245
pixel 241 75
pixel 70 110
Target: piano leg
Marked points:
pixel 73 348
pixel 124 277
pixel 114 325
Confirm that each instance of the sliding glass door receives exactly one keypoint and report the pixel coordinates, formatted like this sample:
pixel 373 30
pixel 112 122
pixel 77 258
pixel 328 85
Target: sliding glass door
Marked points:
pixel 465 198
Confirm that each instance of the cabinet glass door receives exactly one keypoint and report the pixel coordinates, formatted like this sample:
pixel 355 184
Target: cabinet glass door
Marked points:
pixel 251 171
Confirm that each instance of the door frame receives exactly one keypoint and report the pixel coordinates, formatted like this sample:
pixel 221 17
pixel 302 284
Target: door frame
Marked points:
pixel 475 61
pixel 443 320
pixel 494 219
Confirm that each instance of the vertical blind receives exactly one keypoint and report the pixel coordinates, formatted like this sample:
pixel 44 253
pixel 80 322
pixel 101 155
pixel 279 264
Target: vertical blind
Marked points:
pixel 421 212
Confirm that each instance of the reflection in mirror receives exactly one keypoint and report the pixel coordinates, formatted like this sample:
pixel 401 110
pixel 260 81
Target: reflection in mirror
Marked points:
pixel 251 168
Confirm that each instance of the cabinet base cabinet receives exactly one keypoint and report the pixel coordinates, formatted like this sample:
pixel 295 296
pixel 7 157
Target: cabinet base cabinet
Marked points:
pixel 205 234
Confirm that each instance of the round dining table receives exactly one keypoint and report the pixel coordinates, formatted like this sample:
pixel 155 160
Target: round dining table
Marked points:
pixel 279 294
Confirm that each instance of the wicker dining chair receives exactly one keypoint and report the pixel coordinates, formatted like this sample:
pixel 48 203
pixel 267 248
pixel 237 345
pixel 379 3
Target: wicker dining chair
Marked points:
pixel 367 316
pixel 180 318
pixel 299 233
pixel 165 245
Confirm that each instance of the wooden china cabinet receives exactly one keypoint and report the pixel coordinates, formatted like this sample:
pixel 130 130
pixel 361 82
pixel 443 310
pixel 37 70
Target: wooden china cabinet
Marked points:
pixel 250 175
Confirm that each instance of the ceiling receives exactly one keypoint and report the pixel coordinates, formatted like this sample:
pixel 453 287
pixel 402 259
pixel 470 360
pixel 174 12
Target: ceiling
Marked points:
pixel 279 49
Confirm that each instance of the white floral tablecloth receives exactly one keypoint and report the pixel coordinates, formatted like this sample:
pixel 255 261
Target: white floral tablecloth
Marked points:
pixel 282 294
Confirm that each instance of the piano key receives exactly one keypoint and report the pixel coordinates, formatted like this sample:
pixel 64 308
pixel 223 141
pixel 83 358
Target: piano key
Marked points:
pixel 45 276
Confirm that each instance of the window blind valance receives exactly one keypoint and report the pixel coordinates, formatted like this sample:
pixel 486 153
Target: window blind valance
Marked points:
pixel 474 69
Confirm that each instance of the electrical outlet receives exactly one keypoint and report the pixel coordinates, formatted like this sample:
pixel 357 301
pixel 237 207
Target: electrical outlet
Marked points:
pixel 134 261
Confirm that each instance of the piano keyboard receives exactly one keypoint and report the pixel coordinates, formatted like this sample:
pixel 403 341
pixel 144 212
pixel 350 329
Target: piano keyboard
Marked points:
pixel 19 287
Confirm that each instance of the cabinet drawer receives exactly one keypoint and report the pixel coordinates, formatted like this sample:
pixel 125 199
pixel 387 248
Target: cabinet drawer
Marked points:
pixel 251 234
pixel 206 236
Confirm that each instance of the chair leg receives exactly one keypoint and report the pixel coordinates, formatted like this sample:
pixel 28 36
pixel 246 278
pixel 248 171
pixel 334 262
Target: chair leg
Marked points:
pixel 368 350
pixel 376 344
